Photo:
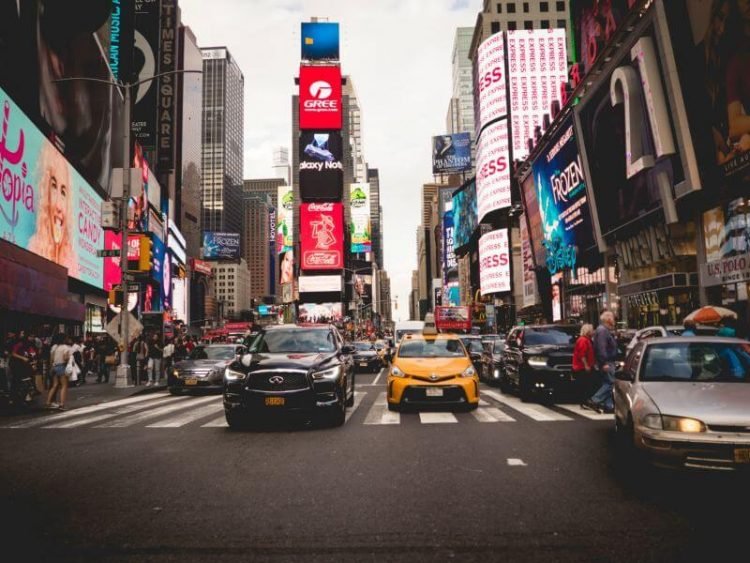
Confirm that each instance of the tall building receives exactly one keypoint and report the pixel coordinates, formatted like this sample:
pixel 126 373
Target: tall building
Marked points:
pixel 355 130
pixel 376 216
pixel 255 234
pixel 232 288
pixel 462 96
pixel 223 118
pixel 281 168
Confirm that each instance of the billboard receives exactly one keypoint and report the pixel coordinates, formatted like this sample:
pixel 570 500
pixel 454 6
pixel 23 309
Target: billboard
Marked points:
pixel 46 207
pixel 320 41
pixel 221 246
pixel 451 153
pixel 360 229
pixel 556 288
pixel 537 69
pixel 111 266
pixel 450 264
pixel 166 115
pixel 284 219
pixel 286 268
pixel 320 313
pixel 494 262
pixel 145 64
pixel 319 284
pixel 452 318
pixel 595 22
pixel 319 97
pixel 726 235
pixel 490 97
pixel 465 220
pixel 321 236
pixel 321 170
pixel 493 170
pixel 527 260
pixel 561 198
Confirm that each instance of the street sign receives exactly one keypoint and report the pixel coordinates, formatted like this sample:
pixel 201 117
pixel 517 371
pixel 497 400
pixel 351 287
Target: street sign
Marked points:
pixel 132 287
pixel 134 328
pixel 112 253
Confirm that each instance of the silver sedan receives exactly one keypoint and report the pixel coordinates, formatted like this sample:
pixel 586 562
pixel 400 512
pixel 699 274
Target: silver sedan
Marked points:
pixel 685 402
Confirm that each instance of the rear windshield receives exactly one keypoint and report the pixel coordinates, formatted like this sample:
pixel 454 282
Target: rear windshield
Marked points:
pixel 558 336
pixel 696 361
pixel 437 348
pixel 213 353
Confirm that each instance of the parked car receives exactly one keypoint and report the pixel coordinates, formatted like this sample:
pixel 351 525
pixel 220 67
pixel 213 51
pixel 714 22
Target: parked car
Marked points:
pixel 664 331
pixel 475 348
pixel 291 369
pixel 685 402
pixel 538 361
pixel 493 365
pixel 203 369
pixel 366 357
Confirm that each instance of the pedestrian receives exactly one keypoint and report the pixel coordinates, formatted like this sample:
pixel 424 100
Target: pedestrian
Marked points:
pixel 689 325
pixel 77 350
pixel 167 355
pixel 583 360
pixel 60 355
pixel 728 328
pixel 605 354
pixel 141 358
pixel 21 360
pixel 154 361
pixel 180 352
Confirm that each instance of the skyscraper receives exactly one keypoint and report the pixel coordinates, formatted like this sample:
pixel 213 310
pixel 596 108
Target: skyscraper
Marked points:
pixel 461 109
pixel 376 216
pixel 223 110
pixel 355 131
pixel 280 166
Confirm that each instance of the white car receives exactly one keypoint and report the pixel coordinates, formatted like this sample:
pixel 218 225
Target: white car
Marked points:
pixel 663 331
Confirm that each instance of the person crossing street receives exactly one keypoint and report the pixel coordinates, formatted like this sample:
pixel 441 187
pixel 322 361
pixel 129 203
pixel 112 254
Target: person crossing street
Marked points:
pixel 605 353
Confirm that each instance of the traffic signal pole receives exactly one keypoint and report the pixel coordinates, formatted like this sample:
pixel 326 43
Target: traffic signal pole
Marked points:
pixel 122 377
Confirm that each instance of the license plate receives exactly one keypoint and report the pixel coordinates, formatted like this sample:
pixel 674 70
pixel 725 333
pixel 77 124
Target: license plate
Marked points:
pixel 191 381
pixel 742 455
pixel 363 364
pixel 274 401
pixel 433 392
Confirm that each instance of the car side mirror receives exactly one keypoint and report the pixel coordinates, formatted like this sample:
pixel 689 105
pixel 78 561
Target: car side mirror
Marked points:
pixel 347 349
pixel 623 375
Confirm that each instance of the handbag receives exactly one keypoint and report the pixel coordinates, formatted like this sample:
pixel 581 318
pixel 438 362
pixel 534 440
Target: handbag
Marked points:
pixel 71 369
pixel 110 360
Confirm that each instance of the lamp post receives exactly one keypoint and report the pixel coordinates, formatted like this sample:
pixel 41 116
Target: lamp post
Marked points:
pixel 122 377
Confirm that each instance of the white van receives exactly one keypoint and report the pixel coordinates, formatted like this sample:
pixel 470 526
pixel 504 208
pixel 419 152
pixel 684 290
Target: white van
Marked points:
pixel 406 327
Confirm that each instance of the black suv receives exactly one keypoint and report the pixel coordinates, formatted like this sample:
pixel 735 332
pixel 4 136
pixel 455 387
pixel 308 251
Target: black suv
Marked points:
pixel 291 369
pixel 538 360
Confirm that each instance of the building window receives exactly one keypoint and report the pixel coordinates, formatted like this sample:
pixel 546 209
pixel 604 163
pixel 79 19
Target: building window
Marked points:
pixel 528 24
pixel 510 7
pixel 545 24
pixel 512 26
pixel 495 27
pixel 560 23
pixel 544 6
pixel 525 7
pixel 560 6
pixel 499 8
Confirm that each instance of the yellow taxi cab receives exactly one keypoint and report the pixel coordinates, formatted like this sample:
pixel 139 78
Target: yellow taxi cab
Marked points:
pixel 432 369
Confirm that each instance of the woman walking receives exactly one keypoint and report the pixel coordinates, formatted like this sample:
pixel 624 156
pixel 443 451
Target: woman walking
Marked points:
pixel 59 358
pixel 583 361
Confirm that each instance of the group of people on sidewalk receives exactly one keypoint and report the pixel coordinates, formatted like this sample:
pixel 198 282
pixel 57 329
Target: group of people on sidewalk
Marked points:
pixel 150 360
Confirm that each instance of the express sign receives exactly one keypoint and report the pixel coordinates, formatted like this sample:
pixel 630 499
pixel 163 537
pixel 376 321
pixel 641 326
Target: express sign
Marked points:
pixel 320 97
pixel 494 262
pixel 322 236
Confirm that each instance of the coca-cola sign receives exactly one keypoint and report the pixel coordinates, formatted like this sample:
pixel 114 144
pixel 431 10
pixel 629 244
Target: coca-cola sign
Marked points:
pixel 322 236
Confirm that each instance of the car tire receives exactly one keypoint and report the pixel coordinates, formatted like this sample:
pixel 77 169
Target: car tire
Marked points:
pixel 472 406
pixel 393 407
pixel 337 416
pixel 504 383
pixel 236 420
pixel 173 391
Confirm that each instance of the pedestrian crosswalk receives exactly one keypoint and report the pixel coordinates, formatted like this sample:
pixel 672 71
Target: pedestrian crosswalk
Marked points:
pixel 162 411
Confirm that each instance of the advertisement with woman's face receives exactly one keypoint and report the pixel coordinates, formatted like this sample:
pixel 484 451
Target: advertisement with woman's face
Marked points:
pixel 286 267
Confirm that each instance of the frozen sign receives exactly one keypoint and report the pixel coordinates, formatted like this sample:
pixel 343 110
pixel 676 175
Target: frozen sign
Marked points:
pixel 494 262
pixel 493 170
pixel 490 83
pixel 46 207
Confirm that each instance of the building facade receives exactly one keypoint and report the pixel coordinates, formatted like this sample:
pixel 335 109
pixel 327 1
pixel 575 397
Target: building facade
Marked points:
pixel 376 216
pixel 280 165
pixel 232 288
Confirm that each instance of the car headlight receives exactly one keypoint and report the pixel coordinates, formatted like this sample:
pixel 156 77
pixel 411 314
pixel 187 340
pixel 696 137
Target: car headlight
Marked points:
pixel 233 375
pixel 395 372
pixel 537 361
pixel 469 372
pixel 673 423
pixel 329 374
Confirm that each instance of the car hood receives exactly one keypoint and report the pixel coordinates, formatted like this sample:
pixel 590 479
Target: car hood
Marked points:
pixel 428 366
pixel 300 360
pixel 202 364
pixel 713 403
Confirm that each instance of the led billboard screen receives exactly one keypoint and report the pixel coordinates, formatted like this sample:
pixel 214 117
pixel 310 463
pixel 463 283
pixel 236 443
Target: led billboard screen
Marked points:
pixel 493 169
pixel 113 241
pixel 527 259
pixel 284 219
pixel 319 97
pixel 490 98
pixel 321 172
pixel 320 312
pixel 494 262
pixel 360 229
pixel 221 246
pixel 451 153
pixel 321 236
pixel 465 219
pixel 320 284
pixel 320 41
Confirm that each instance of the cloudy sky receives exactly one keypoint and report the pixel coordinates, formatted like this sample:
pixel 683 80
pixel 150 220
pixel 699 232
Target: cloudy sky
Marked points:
pixel 398 53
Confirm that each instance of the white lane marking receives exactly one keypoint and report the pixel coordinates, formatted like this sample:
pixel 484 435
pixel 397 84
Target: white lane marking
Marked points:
pixel 515 462
pixel 437 417
pixel 491 414
pixel 379 413
pixel 591 415
pixel 220 422
pixel 483 403
pixel 188 417
pixel 43 420
pixel 156 413
pixel 358 396
pixel 535 412
pixel 117 412
pixel 380 373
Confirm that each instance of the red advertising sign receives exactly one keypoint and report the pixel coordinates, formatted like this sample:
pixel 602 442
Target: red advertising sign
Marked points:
pixel 113 241
pixel 200 266
pixel 319 97
pixel 452 318
pixel 322 236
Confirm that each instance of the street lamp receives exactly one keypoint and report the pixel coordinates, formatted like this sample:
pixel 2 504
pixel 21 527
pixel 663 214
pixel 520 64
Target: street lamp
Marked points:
pixel 122 378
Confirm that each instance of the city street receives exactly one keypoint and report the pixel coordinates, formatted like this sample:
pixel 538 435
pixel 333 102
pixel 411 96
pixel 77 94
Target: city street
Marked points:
pixel 155 477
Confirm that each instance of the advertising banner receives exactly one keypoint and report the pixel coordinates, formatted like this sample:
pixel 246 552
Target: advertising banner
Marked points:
pixel 494 262
pixel 286 267
pixel 320 41
pixel 561 197
pixel 450 264
pixel 557 297
pixel 321 172
pixel 284 219
pixel 287 292
pixel 529 277
pixel 537 69
pixel 360 229
pixel 320 313
pixel 595 22
pixel 321 236
pixel 493 170
pixel 166 116
pixel 158 250
pixel 490 97
pixel 726 234
pixel 200 266
pixel 451 153
pixel 221 246
pixel 120 48
pixel 46 207
pixel 465 219
pixel 319 97
pixel 145 98
pixel 363 286
pixel 453 318
pixel 112 241
pixel 319 284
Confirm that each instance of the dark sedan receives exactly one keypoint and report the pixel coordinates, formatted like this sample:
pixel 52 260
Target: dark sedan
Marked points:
pixel 203 369
pixel 475 348
pixel 366 357
pixel 493 366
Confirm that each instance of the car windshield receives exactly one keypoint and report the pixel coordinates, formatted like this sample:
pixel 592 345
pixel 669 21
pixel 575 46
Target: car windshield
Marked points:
pixel 472 344
pixel 557 335
pixel 433 348
pixel 499 345
pixel 696 361
pixel 363 346
pixel 284 341
pixel 213 353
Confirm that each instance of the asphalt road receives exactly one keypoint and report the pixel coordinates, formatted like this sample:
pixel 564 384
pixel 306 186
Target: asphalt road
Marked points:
pixel 160 479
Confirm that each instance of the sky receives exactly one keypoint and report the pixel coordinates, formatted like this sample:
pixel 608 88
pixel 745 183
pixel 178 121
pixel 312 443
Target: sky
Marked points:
pixel 398 53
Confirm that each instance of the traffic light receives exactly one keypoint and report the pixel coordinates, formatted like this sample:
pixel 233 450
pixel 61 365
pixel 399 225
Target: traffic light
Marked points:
pixel 145 253
pixel 114 296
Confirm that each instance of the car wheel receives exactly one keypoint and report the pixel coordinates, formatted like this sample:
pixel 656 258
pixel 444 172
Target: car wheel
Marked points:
pixel 173 391
pixel 393 407
pixel 337 416
pixel 504 383
pixel 472 406
pixel 236 420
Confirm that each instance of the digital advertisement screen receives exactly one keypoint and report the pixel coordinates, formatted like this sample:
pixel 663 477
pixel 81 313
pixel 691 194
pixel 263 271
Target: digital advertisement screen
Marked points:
pixel 284 219
pixel 595 22
pixel 321 172
pixel 533 218
pixel 726 235
pixel 46 207
pixel 465 220
pixel 490 97
pixel 450 264
pixel 537 69
pixel 319 97
pixel 561 196
pixel 321 236
pixel 453 318
pixel 320 312
pixel 113 241
pixel 360 228
pixel 527 259
pixel 494 262
pixel 221 246
pixel 493 170
pixel 286 267
pixel 319 284
pixel 451 153
pixel 320 41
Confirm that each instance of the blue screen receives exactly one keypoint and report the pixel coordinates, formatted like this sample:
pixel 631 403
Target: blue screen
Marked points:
pixel 320 41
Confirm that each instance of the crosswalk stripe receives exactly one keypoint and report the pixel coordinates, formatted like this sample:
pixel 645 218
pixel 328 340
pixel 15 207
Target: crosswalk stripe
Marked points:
pixel 83 421
pixel 358 396
pixel 535 412
pixel 491 414
pixel 591 415
pixel 140 417
pixel 220 422
pixel 43 420
pixel 437 417
pixel 188 417
pixel 379 413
